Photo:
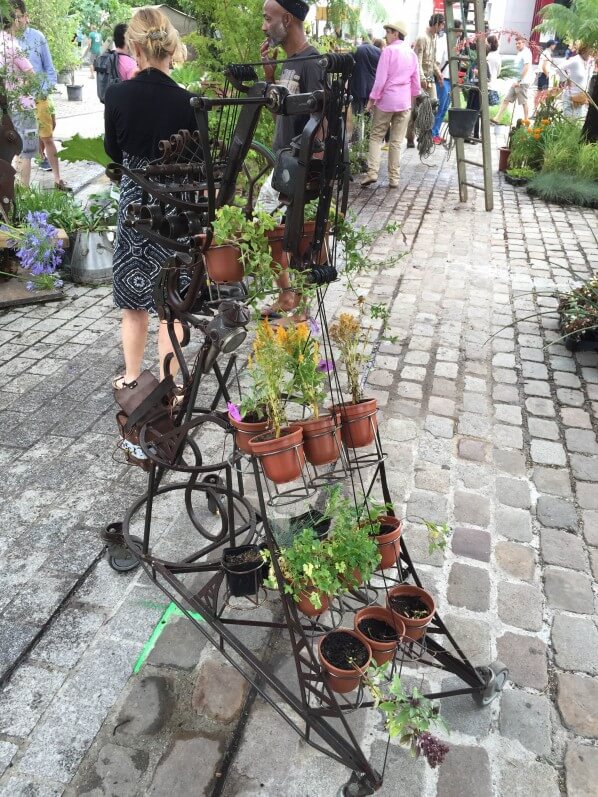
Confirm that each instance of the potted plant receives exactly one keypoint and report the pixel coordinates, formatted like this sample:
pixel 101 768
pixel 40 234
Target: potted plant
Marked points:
pixel 408 716
pixel 359 420
pixel 248 421
pixel 280 449
pixel 381 629
pixel 413 606
pixel 345 657
pixel 308 376
pixel 243 566
pixel 91 260
pixel 578 313
pixel 239 245
pixel 353 550
pixel 39 249
pixel 386 531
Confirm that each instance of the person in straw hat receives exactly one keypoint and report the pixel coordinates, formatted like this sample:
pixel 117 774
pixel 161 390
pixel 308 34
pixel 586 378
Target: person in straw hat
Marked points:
pixel 397 82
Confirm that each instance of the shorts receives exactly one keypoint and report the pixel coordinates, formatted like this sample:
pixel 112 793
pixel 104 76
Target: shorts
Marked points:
pixel 518 93
pixel 542 82
pixel 26 126
pixel 45 122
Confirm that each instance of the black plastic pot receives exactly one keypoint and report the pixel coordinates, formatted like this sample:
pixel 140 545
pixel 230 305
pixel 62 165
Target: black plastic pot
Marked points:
pixel 244 578
pixel 461 122
pixel 74 93
pixel 313 519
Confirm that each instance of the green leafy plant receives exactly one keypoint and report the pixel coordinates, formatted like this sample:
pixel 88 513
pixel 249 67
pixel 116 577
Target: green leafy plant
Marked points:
pixel 308 567
pixel 408 716
pixel 101 212
pixel 352 339
pixel 523 172
pixel 354 552
pixel 564 189
pixel 438 535
pixel 58 26
pixel 307 370
pixel 578 309
pixel 38 248
pixel 587 162
pixel 562 145
pixel 80 148
pixel 62 209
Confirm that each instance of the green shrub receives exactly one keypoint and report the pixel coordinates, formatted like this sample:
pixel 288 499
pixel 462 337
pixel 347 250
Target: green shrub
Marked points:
pixel 564 189
pixel 62 208
pixel 561 147
pixel 587 162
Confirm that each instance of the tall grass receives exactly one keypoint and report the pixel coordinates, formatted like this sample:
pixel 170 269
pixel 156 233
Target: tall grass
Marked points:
pixel 562 147
pixel 587 162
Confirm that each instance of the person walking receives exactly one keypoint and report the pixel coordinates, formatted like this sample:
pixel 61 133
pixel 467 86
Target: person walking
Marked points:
pixel 283 27
pixel 429 69
pixel 366 58
pixel 578 69
pixel 519 89
pixel 443 89
pixel 35 47
pixel 94 48
pixel 133 131
pixel 397 83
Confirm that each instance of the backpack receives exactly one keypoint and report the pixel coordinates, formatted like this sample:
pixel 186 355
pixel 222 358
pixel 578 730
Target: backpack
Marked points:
pixel 106 69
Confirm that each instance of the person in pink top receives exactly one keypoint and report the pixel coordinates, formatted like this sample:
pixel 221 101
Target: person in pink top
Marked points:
pixel 127 65
pixel 397 82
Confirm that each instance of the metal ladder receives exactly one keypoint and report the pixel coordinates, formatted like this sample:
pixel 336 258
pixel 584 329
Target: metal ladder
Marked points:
pixel 472 16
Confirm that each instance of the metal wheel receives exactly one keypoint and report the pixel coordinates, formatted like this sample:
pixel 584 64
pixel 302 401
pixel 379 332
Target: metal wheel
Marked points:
pixel 121 558
pixel 496 676
pixel 257 166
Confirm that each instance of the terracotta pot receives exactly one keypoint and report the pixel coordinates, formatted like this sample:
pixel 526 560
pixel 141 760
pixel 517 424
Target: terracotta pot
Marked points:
pixel 358 422
pixel 381 651
pixel 307 607
pixel 415 628
pixel 343 680
pixel 244 431
pixel 282 457
pixel 223 264
pixel 307 238
pixel 389 542
pixel 275 239
pixel 321 441
pixel 503 158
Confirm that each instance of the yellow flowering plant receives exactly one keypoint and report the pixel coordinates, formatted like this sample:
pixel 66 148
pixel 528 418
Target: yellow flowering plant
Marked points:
pixel 268 370
pixel 351 339
pixel 306 367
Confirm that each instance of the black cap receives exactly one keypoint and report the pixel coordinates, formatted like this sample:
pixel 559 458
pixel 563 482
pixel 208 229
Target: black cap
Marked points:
pixel 297 8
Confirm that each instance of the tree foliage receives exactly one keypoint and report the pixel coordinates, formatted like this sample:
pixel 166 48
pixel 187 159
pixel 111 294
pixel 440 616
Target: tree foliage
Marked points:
pixel 579 23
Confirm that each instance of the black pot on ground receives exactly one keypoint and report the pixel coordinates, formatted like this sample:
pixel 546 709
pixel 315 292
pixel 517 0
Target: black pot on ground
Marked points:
pixel 313 519
pixel 74 93
pixel 244 569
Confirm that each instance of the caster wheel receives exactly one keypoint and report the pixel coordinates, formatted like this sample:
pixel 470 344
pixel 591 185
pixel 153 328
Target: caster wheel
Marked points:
pixel 214 499
pixel 113 534
pixel 495 676
pixel 123 560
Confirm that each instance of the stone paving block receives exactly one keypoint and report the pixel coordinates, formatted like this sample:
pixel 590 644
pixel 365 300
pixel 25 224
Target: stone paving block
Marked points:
pixel 466 770
pixel 571 398
pixel 540 779
pixel 525 657
pixel 179 646
pixel 512 462
pixel 219 691
pixel 469 587
pixel 581 441
pixel 516 560
pixel 472 508
pixel 575 643
pixel 514 524
pixel 475 450
pixel 441 406
pixel 180 766
pixel 116 773
pixel 562 548
pixel 474 425
pixel 147 706
pixel 533 387
pixel 526 718
pixel 507 436
pixel 15 637
pixel 16 786
pixel 473 543
pixel 540 406
pixel 576 417
pixel 502 392
pixel 556 513
pixel 577 701
pixel 581 769
pixel 587 495
pixel 513 492
pixel 520 605
pixel 439 426
pixel 569 590
pixel 25 698
pixel 462 714
pixel 533 370
pixel 427 505
pixel 590 527
pixel 68 637
pixel 584 468
pixel 540 427
pixel 545 452
pixel 7 753
pixel 435 479
pixel 507 413
pixel 400 766
pixel 555 481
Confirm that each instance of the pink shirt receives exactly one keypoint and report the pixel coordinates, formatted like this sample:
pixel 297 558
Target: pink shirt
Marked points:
pixel 397 78
pixel 127 66
pixel 11 57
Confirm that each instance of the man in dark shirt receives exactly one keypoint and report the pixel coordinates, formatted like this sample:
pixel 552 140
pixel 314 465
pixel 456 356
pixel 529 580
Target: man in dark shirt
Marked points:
pixel 283 26
pixel 366 58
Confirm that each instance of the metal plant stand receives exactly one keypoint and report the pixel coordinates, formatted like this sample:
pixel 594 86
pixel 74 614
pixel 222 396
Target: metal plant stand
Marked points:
pixel 228 500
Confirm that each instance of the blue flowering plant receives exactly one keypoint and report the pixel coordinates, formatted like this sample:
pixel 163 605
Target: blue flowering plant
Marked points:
pixel 39 249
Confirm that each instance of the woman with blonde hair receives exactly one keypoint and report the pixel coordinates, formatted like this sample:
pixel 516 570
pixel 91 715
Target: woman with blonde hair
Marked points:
pixel 139 113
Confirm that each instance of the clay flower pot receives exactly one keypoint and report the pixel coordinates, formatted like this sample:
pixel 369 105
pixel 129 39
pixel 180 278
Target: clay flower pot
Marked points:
pixel 381 651
pixel 307 607
pixel 503 158
pixel 282 458
pixel 415 627
pixel 358 422
pixel 223 264
pixel 245 430
pixel 338 679
pixel 275 239
pixel 388 540
pixel 321 441
pixel 307 238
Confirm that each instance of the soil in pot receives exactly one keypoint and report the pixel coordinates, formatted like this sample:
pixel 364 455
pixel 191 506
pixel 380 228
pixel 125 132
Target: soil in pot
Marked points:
pixel 413 606
pixel 244 569
pixel 312 519
pixel 409 606
pixel 344 651
pixel 377 630
pixel 282 458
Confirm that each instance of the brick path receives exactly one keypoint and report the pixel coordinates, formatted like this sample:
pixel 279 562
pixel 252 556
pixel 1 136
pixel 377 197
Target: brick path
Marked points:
pixel 498 437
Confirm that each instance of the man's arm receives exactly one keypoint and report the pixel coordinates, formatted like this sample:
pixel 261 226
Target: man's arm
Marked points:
pixel 50 76
pixel 416 88
pixel 380 80
pixel 418 49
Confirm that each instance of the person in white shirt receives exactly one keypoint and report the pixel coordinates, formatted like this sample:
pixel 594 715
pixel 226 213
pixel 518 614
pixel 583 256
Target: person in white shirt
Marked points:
pixel 519 90
pixel 578 70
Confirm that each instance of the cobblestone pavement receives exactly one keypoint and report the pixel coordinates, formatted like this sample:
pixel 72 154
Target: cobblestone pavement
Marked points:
pixel 497 436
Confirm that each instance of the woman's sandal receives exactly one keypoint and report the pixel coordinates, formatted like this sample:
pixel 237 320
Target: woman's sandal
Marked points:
pixel 119 382
pixel 60 185
pixel 276 310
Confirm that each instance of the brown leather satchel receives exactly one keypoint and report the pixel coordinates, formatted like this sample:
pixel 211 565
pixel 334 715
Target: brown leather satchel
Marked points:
pixel 581 98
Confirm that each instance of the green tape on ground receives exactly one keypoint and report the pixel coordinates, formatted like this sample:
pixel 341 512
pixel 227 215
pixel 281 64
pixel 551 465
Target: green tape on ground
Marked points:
pixel 172 610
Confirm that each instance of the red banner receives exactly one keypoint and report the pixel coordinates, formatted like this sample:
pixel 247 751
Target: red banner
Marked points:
pixel 438 7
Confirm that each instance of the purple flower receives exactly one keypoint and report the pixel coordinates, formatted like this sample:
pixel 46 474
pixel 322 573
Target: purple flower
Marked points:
pixel 233 411
pixel 30 286
pixel 314 327
pixel 58 283
pixel 325 366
